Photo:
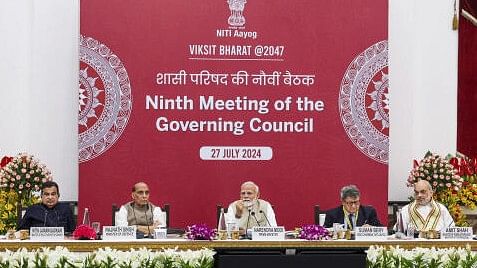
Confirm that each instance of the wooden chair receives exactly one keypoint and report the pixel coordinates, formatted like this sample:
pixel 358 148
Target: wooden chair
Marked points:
pixel 166 208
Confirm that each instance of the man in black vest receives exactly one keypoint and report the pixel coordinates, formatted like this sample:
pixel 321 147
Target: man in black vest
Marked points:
pixel 351 213
pixel 49 213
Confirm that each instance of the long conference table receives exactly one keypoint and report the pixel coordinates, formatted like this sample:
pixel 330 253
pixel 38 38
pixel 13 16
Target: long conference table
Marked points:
pixel 247 253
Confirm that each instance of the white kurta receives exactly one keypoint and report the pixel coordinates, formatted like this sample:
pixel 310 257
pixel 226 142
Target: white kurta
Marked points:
pixel 121 218
pixel 445 219
pixel 230 215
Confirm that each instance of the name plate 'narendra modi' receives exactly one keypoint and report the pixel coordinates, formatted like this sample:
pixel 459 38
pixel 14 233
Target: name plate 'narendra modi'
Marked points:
pixel 268 233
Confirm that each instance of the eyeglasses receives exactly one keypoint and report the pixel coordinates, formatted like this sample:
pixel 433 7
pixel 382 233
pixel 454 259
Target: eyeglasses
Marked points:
pixel 352 203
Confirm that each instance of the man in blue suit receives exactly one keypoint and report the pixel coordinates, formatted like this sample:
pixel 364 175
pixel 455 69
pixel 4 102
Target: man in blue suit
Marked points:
pixel 351 213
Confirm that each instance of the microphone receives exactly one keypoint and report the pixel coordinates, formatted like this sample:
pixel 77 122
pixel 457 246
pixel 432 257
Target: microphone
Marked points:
pixel 253 214
pixel 147 221
pixel 46 216
pixel 248 220
pixel 264 215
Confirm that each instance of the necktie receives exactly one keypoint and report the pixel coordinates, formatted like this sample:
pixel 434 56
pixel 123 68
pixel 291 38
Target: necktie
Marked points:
pixel 351 221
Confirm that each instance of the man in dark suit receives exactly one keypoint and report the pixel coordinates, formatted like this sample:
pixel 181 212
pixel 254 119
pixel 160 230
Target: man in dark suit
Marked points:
pixel 50 212
pixel 351 213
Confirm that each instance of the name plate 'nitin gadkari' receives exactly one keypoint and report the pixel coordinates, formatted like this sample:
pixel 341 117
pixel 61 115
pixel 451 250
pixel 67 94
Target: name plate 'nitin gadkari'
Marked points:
pixel 371 233
pixel 47 233
pixel 268 233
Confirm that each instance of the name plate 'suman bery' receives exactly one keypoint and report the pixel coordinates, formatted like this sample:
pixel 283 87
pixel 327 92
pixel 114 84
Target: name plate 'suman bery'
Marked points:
pixel 371 233
pixel 268 233
pixel 119 232
pixel 47 233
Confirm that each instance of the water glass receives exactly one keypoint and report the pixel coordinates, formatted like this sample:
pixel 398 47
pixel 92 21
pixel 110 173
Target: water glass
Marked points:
pixel 96 227
pixel 410 230
pixel 321 219
pixel 231 226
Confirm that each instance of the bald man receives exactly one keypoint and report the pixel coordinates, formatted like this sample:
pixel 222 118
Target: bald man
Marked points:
pixel 140 212
pixel 425 213
pixel 249 211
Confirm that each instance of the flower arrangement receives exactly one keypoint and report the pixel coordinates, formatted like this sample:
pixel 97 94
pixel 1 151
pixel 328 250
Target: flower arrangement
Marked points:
pixel 5 160
pixel 466 167
pixel 420 257
pixel 24 174
pixel 467 170
pixel 449 187
pixel 438 171
pixel 20 176
pixel 200 232
pixel 107 257
pixel 84 232
pixel 8 200
pixel 8 210
pixel 314 232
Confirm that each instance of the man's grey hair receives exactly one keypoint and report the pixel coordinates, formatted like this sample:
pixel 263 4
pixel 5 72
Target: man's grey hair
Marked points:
pixel 349 191
pixel 250 183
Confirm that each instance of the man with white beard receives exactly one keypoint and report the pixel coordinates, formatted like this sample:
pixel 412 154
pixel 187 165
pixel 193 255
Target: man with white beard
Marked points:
pixel 250 211
pixel 424 213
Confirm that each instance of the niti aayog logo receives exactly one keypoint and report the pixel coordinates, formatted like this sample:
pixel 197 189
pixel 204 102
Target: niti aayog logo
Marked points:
pixel 236 17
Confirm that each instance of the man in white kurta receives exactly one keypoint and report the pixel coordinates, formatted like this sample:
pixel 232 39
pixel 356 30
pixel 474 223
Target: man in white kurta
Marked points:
pixel 425 213
pixel 250 211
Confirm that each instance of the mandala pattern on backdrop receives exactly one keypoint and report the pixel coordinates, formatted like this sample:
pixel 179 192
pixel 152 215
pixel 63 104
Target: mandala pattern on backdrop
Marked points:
pixel 105 100
pixel 364 102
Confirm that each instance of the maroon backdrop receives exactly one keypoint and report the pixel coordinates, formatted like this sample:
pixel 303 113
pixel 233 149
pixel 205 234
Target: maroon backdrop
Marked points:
pixel 467 81
pixel 341 43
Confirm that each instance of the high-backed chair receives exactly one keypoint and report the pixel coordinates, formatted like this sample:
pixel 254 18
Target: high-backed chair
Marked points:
pixel 393 207
pixel 166 208
pixel 316 212
pixel 219 207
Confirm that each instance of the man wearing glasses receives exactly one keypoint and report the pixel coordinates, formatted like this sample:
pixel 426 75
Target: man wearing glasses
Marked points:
pixel 351 213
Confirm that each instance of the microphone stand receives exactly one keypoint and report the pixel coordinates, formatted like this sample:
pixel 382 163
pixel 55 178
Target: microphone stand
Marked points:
pixel 246 227
pixel 46 217
pixel 149 235
pixel 253 214
pixel 266 218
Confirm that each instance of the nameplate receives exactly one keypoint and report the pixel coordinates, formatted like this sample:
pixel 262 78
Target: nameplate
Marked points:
pixel 119 232
pixel 160 233
pixel 47 233
pixel 457 233
pixel 268 233
pixel 371 233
